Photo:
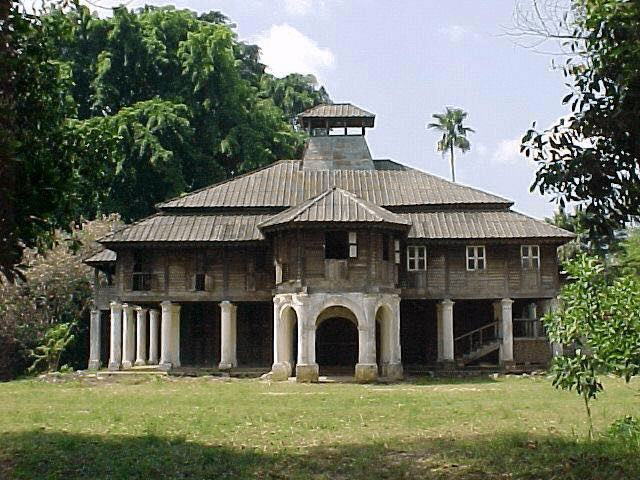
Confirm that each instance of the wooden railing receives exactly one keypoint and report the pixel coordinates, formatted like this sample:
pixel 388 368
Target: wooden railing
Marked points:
pixel 475 339
pixel 528 328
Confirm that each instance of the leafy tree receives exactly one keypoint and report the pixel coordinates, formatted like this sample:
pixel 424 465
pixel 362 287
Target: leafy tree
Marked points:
pixel 38 316
pixel 590 157
pixel 36 177
pixel 454 134
pixel 599 316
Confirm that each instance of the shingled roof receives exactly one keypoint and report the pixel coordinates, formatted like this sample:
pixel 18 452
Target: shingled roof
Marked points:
pixel 337 114
pixel 285 184
pixel 336 206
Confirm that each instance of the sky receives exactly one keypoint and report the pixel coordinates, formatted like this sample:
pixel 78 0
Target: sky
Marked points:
pixel 406 60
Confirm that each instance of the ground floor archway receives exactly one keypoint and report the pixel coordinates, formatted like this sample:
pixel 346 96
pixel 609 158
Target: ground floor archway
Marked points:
pixel 336 344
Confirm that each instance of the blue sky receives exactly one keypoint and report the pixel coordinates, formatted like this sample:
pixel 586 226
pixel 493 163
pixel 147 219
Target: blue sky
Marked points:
pixel 404 61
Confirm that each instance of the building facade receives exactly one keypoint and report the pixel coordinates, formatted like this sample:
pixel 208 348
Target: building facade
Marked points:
pixel 333 260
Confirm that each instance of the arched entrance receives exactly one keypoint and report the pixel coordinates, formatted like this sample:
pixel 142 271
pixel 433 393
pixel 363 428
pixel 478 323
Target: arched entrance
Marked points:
pixel 336 340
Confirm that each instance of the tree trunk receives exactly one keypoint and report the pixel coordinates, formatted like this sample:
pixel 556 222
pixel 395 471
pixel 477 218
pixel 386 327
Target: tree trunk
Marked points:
pixel 453 172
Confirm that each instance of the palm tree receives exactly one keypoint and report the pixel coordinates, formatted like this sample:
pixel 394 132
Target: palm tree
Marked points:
pixel 454 134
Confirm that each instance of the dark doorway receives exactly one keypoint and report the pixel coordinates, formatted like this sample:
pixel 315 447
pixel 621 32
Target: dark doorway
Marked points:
pixel 200 334
pixel 337 343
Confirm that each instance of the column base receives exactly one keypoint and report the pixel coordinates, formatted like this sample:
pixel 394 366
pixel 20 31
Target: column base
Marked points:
pixel 94 365
pixel 114 366
pixel 165 366
pixel 447 365
pixel 281 371
pixel 366 372
pixel 307 373
pixel 225 366
pixel 140 363
pixel 127 364
pixel 393 371
pixel 508 365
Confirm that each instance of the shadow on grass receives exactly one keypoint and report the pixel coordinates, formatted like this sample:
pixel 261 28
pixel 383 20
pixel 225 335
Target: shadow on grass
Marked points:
pixel 39 454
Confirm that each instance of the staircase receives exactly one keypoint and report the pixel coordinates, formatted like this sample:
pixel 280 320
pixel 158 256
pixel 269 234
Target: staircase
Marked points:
pixel 476 344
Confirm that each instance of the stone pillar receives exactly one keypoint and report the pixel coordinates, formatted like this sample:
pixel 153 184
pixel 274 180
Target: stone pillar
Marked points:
pixel 228 320
pixel 392 362
pixel 439 327
pixel 283 320
pixel 175 335
pixel 154 330
pixel 506 333
pixel 445 331
pixel 366 368
pixel 141 338
pixel 115 344
pixel 94 340
pixel 307 369
pixel 128 336
pixel 166 331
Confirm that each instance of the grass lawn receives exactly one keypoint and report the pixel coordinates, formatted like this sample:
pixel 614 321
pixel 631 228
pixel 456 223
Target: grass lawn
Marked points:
pixel 208 427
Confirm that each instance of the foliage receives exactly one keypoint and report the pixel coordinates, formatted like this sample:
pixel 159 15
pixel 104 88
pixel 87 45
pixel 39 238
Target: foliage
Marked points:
pixel 454 134
pixel 57 291
pixel 36 177
pixel 590 156
pixel 599 316
pixel 117 114
pixel 626 429
pixel 47 355
pixel 629 258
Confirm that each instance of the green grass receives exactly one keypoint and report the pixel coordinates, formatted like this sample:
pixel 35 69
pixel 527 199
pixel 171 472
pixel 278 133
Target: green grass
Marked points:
pixel 513 427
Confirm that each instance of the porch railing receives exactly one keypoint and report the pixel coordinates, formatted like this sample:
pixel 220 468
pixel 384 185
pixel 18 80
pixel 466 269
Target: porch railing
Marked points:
pixel 475 339
pixel 528 328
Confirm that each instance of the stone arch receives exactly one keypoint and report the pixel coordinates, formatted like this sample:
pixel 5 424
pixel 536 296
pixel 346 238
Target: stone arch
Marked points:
pixel 336 342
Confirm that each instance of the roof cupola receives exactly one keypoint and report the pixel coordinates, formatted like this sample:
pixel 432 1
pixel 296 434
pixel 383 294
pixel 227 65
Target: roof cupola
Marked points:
pixel 336 137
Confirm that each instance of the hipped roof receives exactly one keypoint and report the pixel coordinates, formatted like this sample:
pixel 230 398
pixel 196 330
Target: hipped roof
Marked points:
pixel 335 206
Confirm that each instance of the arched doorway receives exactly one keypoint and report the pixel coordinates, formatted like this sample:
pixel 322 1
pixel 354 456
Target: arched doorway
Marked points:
pixel 336 341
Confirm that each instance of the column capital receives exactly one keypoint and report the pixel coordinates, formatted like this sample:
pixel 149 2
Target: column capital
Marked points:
pixel 142 310
pixel 115 305
pixel 506 302
pixel 447 302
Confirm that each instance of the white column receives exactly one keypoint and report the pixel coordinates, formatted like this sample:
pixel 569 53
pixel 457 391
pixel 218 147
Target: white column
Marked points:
pixel 175 335
pixel 440 333
pixel 94 340
pixel 154 330
pixel 393 368
pixel 165 335
pixel 115 345
pixel 446 321
pixel 307 369
pixel 506 332
pixel 141 337
pixel 228 358
pixel 366 368
pixel 128 336
pixel 282 340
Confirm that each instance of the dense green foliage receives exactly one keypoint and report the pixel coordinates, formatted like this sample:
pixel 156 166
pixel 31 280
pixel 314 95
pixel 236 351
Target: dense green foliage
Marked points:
pixel 590 157
pixel 599 318
pixel 117 114
pixel 454 134
pixel 39 316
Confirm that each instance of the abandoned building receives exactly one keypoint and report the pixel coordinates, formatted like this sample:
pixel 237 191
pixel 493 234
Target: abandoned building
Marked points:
pixel 333 260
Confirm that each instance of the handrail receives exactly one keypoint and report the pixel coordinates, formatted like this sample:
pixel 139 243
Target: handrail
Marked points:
pixel 477 334
pixel 494 324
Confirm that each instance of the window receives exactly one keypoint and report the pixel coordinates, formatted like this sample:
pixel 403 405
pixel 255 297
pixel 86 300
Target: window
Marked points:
pixel 338 245
pixel 353 245
pixel 385 247
pixel 396 251
pixel 142 278
pixel 416 258
pixel 200 282
pixel 476 259
pixel 530 255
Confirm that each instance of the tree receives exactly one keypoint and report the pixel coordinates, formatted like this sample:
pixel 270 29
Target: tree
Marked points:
pixel 599 316
pixel 590 157
pixel 454 134
pixel 37 191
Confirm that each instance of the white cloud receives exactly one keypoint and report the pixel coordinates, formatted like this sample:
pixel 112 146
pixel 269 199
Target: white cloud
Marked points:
pixel 285 50
pixel 458 33
pixel 508 153
pixel 298 7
